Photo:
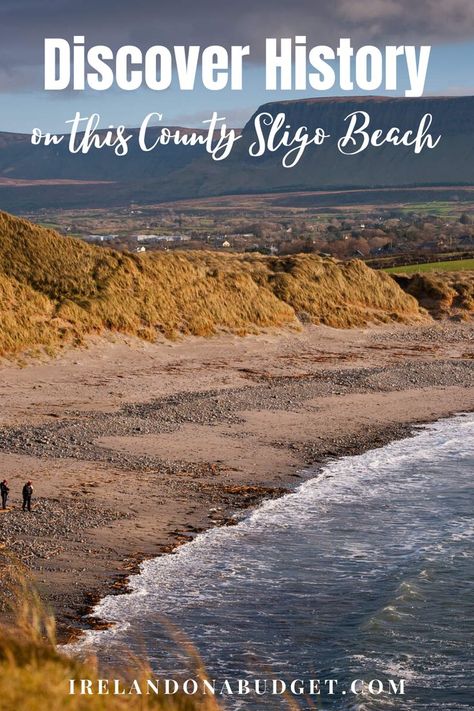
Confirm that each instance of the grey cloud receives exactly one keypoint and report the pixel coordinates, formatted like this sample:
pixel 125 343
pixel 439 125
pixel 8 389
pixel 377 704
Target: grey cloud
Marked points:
pixel 25 23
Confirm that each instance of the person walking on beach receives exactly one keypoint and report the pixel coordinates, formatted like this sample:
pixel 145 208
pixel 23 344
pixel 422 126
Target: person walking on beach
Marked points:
pixel 27 494
pixel 4 491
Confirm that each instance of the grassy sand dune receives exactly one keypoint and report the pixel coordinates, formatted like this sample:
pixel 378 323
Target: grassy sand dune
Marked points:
pixel 55 290
pixel 446 294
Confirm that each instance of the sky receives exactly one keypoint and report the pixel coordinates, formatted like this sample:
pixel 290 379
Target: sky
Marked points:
pixel 24 24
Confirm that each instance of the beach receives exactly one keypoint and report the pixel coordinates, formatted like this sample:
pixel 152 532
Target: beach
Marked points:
pixel 133 448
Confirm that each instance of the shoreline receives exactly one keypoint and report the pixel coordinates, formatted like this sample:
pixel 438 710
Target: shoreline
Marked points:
pixel 94 622
pixel 136 448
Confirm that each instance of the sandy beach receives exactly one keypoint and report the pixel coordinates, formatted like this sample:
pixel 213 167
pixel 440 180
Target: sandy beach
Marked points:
pixel 133 448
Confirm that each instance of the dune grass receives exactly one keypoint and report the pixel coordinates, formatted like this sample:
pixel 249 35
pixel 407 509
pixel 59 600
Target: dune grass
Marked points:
pixel 442 294
pixel 34 674
pixel 56 290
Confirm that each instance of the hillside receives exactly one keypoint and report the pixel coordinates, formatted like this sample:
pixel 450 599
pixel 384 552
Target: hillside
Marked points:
pixel 55 290
pixel 325 168
pixel 174 172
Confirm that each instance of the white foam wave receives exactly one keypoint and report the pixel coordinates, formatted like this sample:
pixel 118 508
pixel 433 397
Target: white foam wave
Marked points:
pixel 199 573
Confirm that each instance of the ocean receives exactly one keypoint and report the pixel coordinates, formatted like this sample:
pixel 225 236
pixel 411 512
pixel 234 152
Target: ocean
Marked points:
pixel 365 572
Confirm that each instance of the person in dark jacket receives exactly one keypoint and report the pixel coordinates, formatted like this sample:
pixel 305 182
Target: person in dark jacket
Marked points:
pixel 27 494
pixel 4 491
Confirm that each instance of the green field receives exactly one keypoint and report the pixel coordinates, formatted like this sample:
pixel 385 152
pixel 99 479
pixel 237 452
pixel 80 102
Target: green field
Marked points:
pixel 453 266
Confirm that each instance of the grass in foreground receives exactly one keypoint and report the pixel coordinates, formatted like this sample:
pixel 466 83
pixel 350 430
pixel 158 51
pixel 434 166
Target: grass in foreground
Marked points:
pixel 34 676
pixel 56 290
pixel 453 266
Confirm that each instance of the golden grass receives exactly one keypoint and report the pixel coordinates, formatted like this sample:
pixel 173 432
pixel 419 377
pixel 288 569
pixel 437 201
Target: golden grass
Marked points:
pixel 34 675
pixel 444 294
pixel 56 290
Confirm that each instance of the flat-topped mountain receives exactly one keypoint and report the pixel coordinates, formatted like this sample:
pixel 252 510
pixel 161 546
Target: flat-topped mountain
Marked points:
pixel 324 167
pixel 172 172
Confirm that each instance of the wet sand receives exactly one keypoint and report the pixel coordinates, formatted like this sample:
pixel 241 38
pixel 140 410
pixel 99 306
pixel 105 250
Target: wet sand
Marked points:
pixel 133 448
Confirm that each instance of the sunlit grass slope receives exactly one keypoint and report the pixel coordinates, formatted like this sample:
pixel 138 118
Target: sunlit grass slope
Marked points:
pixel 56 290
pixel 454 265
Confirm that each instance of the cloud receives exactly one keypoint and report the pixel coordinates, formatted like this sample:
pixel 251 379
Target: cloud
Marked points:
pixel 25 23
pixel 424 21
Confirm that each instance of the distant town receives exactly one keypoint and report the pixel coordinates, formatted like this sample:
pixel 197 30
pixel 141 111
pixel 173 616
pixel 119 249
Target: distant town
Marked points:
pixel 277 227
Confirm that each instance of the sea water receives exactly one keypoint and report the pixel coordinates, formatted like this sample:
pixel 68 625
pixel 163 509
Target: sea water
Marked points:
pixel 365 572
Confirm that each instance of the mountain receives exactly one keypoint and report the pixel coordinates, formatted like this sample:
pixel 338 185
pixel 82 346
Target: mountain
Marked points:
pixel 56 290
pixel 173 172
pixel 325 168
